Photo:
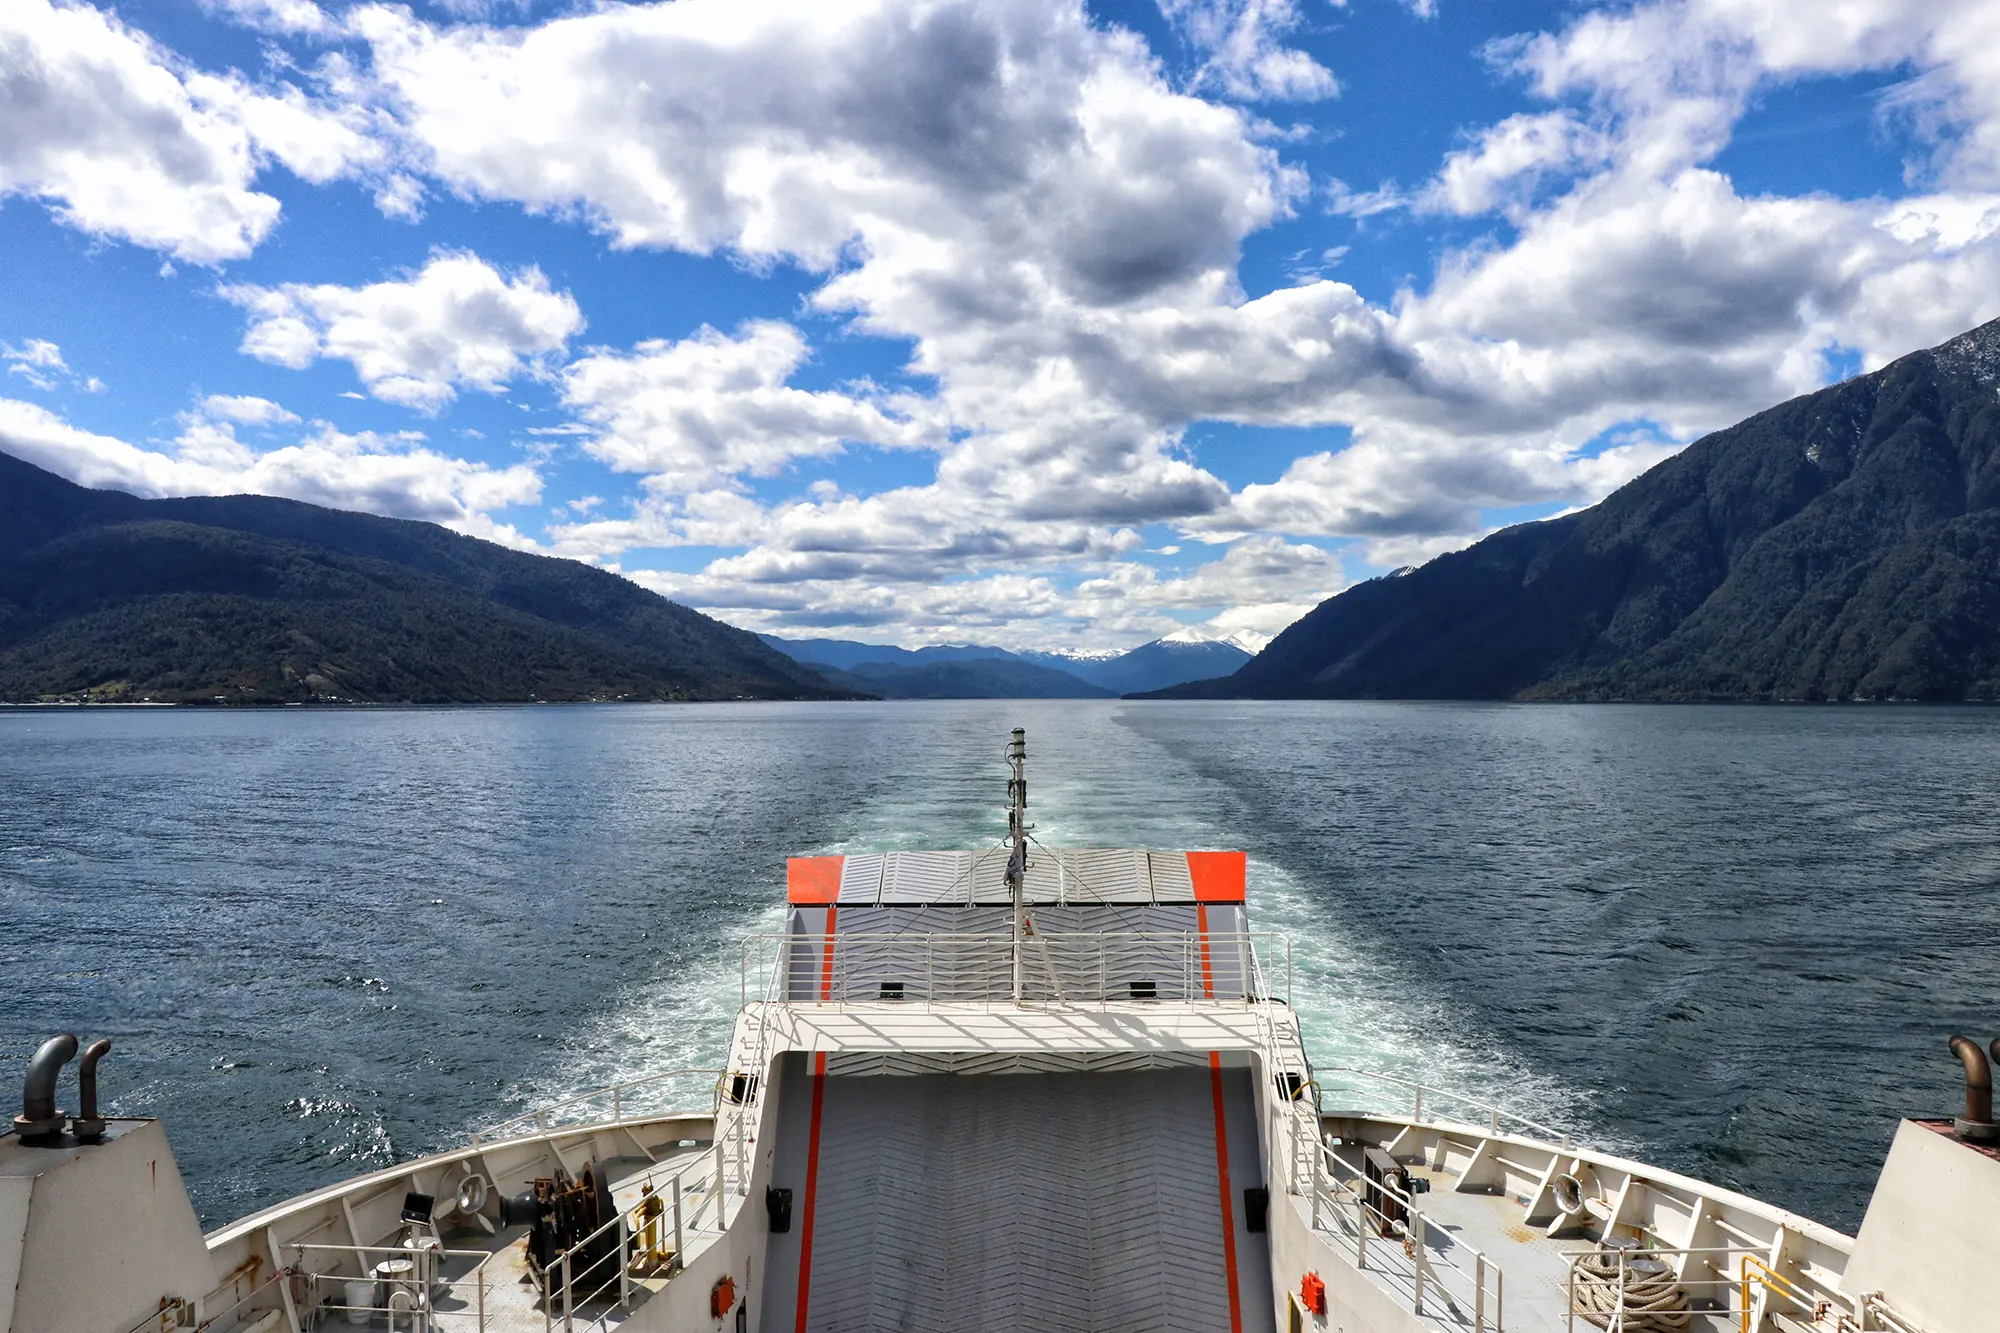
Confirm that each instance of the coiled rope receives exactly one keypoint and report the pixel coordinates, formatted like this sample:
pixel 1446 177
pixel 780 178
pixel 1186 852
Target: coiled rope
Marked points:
pixel 1654 1301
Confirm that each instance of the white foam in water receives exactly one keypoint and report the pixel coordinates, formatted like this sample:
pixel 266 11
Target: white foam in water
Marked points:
pixel 1087 788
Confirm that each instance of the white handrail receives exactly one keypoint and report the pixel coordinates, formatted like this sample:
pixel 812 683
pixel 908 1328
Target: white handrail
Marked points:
pixel 939 967
pixel 1494 1111
pixel 1468 1262
pixel 619 1093
pixel 420 1284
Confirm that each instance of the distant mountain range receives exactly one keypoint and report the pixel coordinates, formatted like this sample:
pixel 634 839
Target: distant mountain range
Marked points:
pixel 972 671
pixel 1844 545
pixel 246 599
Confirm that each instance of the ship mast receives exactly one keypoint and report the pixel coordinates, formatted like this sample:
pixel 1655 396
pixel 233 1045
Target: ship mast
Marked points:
pixel 1017 831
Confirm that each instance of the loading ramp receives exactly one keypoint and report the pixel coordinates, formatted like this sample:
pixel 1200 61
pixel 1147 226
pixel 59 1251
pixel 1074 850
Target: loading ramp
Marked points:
pixel 1060 1201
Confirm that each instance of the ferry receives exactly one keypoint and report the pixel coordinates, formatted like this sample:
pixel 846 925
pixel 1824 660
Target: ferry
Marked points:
pixel 1015 1088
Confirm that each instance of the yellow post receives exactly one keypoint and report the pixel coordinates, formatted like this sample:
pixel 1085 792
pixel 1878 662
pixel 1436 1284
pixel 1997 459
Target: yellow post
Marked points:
pixel 650 1210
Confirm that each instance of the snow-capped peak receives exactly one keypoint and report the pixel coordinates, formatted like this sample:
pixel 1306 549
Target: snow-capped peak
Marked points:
pixel 1189 637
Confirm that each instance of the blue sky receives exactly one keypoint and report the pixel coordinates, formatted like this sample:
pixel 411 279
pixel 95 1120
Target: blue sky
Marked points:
pixel 1022 322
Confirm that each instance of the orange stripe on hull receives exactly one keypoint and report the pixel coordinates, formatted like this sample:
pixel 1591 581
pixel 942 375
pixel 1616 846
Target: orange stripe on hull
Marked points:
pixel 812 1185
pixel 1207 968
pixel 1222 1173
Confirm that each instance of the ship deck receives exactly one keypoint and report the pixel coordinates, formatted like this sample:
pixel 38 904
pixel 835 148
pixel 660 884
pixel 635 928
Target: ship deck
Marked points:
pixel 1485 1203
pixel 485 1286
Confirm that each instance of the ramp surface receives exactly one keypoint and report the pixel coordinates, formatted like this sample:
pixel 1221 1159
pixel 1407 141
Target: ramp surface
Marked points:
pixel 1064 1201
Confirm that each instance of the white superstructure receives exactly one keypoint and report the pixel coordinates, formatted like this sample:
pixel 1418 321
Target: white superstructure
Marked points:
pixel 1025 1088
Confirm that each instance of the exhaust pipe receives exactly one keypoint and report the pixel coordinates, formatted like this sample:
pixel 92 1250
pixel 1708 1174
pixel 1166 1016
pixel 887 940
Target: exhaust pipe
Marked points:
pixel 1977 1122
pixel 88 1124
pixel 39 1118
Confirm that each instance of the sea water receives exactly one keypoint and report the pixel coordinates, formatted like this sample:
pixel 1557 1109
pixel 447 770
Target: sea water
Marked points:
pixel 1730 941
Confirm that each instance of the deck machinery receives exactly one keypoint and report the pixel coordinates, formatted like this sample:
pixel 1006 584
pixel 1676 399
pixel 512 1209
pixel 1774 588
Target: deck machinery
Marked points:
pixel 1018 1088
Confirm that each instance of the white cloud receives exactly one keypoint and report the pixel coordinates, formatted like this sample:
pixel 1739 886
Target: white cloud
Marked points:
pixel 38 361
pixel 246 410
pixel 456 323
pixel 1262 583
pixel 95 120
pixel 287 17
pixel 1256 588
pixel 1055 232
pixel 694 412
pixel 397 476
pixel 1505 162
pixel 317 140
pixel 1245 55
pixel 123 140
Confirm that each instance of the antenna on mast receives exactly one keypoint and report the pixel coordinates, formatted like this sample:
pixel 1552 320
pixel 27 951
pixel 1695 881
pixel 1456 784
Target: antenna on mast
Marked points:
pixel 1017 830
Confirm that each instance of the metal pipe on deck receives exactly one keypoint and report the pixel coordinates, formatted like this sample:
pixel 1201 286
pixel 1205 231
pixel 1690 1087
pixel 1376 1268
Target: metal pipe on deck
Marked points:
pixel 39 1118
pixel 1017 860
pixel 1977 1122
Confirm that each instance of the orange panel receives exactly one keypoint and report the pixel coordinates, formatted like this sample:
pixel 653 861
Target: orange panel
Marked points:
pixel 816 879
pixel 1218 876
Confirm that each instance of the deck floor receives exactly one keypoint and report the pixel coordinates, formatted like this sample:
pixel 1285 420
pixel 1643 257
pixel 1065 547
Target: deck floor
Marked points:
pixel 1535 1298
pixel 504 1298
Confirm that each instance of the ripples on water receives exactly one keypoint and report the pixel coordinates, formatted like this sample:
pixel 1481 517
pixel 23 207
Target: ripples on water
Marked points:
pixel 1728 940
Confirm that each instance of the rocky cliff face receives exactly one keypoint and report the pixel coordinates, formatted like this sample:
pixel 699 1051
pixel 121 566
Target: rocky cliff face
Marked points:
pixel 1843 545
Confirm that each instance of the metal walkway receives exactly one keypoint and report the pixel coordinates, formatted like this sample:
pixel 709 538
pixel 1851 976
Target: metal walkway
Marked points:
pixel 1027 1201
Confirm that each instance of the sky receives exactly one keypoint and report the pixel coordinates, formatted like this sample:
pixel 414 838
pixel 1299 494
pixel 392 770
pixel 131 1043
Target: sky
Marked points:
pixel 1026 322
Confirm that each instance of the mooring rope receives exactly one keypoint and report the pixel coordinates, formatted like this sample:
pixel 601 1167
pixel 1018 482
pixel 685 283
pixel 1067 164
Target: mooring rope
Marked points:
pixel 1653 1298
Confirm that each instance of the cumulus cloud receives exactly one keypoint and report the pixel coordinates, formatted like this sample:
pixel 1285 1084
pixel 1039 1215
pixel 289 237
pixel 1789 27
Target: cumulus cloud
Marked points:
pixel 122 140
pixel 287 17
pixel 40 363
pixel 456 323
pixel 395 475
pixel 94 120
pixel 1678 72
pixel 1257 587
pixel 1055 232
pixel 1245 55
pixel 246 410
pixel 1263 583
pixel 694 412
pixel 1053 229
pixel 1505 162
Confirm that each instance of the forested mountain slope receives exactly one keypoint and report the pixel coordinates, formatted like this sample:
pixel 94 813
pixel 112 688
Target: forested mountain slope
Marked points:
pixel 251 599
pixel 1842 545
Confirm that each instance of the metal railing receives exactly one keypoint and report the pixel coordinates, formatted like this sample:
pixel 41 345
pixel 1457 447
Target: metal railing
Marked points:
pixel 1495 1114
pixel 694 1092
pixel 1059 968
pixel 175 1313
pixel 1393 1239
pixel 408 1282
pixel 1877 1313
pixel 1774 1284
pixel 648 1239
pixel 1733 1276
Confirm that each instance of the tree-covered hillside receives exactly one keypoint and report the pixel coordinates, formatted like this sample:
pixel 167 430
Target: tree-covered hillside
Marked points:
pixel 255 600
pixel 1843 545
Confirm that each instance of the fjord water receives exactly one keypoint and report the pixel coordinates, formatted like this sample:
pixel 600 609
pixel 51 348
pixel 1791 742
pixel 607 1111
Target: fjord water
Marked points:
pixel 1728 940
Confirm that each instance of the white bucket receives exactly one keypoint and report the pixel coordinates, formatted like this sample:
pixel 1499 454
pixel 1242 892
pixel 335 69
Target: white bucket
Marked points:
pixel 359 1298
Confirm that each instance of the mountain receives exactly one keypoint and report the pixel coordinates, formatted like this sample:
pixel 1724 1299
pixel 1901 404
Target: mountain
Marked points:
pixel 1152 666
pixel 905 673
pixel 944 671
pixel 1842 545
pixel 254 600
pixel 844 654
pixel 975 678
